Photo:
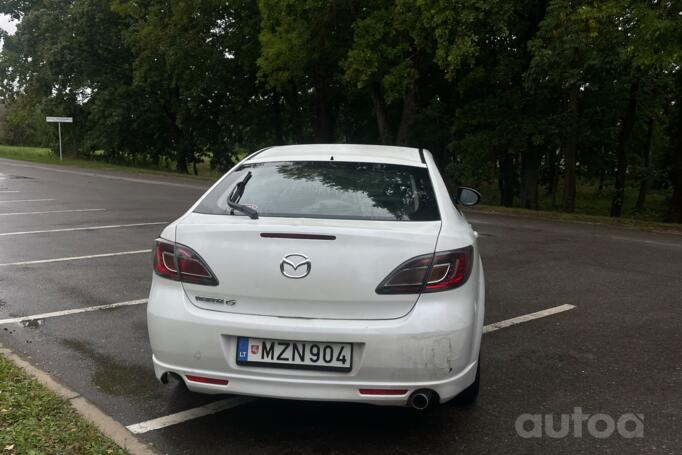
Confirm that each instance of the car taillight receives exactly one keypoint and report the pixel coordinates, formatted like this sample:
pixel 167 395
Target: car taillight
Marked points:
pixel 181 263
pixel 450 269
pixel 430 273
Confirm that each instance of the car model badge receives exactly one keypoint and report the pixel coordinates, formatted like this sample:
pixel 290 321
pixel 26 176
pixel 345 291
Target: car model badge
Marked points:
pixel 295 266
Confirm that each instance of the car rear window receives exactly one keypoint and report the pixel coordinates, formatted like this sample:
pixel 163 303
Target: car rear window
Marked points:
pixel 329 189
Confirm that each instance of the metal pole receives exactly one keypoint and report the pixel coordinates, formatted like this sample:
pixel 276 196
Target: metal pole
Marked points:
pixel 60 140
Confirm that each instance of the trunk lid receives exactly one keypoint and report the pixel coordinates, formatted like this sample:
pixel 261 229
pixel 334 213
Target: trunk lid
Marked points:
pixel 343 273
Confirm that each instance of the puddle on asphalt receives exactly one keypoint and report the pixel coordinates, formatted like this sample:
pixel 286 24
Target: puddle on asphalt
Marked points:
pixel 112 376
pixel 33 323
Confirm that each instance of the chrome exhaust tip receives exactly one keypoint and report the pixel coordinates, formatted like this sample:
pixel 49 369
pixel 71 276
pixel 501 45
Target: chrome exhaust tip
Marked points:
pixel 421 399
pixel 170 375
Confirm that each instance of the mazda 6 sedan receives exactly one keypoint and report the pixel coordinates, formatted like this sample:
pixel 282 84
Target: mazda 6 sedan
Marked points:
pixel 322 272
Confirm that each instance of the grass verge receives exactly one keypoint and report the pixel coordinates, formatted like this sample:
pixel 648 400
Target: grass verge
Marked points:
pixel 590 200
pixel 33 420
pixel 650 226
pixel 45 155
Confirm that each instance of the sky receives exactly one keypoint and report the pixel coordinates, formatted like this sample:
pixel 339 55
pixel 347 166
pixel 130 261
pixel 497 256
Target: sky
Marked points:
pixel 7 24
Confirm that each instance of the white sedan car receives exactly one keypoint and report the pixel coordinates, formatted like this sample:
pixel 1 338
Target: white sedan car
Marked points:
pixel 322 272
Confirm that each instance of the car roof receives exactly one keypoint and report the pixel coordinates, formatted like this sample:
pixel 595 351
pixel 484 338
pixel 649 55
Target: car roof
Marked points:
pixel 341 152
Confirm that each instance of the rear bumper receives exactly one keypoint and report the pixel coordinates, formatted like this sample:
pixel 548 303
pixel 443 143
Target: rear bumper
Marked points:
pixel 434 347
pixel 317 390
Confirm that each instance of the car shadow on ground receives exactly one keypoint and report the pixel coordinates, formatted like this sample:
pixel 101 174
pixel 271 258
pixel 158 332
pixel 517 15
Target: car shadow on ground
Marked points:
pixel 267 425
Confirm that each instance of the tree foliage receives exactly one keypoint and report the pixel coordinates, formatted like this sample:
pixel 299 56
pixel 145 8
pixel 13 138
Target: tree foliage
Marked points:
pixel 534 96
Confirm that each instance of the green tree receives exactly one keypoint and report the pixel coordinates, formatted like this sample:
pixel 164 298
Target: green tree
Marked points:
pixel 302 45
pixel 396 42
pixel 523 93
pixel 658 52
pixel 573 50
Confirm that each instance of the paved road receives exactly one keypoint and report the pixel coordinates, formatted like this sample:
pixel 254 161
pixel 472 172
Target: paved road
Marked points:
pixel 618 351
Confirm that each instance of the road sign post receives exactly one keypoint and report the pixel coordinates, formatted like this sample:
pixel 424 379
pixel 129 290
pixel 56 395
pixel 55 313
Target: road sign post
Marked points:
pixel 59 121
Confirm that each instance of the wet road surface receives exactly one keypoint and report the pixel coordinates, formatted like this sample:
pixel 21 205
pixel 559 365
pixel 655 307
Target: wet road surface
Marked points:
pixel 618 351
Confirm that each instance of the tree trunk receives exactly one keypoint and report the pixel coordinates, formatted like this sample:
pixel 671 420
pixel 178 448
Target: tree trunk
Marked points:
pixel 675 209
pixel 291 99
pixel 553 175
pixel 383 123
pixel 409 116
pixel 177 137
pixel 323 123
pixel 181 162
pixel 624 139
pixel 570 152
pixel 646 178
pixel 506 179
pixel 530 163
pixel 279 131
pixel 182 151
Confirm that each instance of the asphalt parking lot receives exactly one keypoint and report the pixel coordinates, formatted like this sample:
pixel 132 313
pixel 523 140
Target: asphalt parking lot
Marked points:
pixel 605 335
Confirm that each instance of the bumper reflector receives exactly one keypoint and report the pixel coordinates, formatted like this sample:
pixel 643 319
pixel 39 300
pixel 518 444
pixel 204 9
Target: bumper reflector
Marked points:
pixel 383 391
pixel 207 380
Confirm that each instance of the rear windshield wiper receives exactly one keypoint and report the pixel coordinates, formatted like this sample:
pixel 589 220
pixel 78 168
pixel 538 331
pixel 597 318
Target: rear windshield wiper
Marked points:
pixel 236 195
pixel 242 208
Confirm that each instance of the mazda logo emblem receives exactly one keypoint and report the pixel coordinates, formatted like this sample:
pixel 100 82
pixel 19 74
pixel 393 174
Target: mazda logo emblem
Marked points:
pixel 295 266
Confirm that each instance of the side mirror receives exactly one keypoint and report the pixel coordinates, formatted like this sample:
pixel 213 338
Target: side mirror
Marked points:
pixel 467 196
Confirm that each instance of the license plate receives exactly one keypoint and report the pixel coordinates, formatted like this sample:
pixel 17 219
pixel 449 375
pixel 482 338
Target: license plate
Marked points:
pixel 304 355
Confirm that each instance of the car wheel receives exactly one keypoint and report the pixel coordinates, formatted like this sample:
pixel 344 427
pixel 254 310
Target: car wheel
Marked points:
pixel 469 395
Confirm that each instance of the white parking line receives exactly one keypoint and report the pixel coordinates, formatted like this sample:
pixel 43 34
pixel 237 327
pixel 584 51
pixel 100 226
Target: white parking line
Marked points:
pixel 52 211
pixel 55 314
pixel 76 258
pixel 84 228
pixel 25 200
pixel 526 317
pixel 190 414
pixel 222 405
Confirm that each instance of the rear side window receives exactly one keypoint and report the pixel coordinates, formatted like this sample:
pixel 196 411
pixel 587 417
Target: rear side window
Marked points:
pixel 329 189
